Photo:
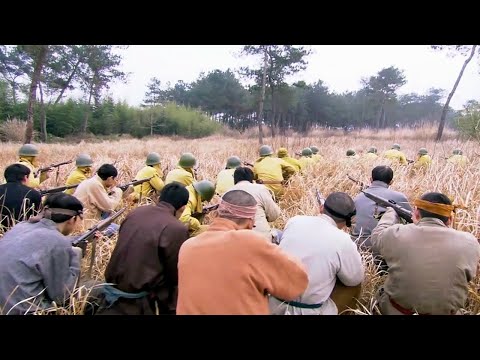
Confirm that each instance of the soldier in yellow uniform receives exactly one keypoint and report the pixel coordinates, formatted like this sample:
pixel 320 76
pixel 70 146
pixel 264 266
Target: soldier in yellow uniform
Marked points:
pixel 152 187
pixel 28 156
pixel 83 171
pixel 271 171
pixel 458 158
pixel 424 160
pixel 192 215
pixel 306 160
pixel 225 177
pixel 184 173
pixel 395 154
pixel 283 154
pixel 316 156
pixel 371 154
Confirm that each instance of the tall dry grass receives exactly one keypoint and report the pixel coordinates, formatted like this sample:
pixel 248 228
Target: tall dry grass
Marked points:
pixel 330 175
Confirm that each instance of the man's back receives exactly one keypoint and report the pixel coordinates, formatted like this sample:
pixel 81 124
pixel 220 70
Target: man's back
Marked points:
pixel 181 176
pixel 229 271
pixel 430 265
pixel 224 181
pixel 17 201
pixel 146 254
pixel 326 252
pixel 364 220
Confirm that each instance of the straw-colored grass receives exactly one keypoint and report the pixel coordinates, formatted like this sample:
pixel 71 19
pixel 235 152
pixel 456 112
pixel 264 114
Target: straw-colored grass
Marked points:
pixel 328 176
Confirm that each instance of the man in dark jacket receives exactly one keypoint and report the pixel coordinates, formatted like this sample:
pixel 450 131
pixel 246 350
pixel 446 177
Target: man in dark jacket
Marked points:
pixel 142 274
pixel 17 201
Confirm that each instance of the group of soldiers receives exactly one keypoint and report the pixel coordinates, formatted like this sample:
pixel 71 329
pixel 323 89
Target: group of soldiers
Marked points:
pixel 167 261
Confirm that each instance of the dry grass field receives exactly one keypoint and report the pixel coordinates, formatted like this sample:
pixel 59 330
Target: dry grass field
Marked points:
pixel 461 184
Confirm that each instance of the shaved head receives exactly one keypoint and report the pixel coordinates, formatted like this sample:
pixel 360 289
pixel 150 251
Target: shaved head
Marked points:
pixel 339 206
pixel 239 198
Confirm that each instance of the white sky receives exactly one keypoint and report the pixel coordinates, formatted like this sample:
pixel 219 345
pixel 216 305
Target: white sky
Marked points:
pixel 340 66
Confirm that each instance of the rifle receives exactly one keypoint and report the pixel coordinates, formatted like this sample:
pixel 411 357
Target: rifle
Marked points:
pixel 39 171
pixel 57 189
pixel 362 185
pixel 403 213
pixel 83 240
pixel 410 161
pixel 209 208
pixel 133 183
pixel 320 198
pixel 247 164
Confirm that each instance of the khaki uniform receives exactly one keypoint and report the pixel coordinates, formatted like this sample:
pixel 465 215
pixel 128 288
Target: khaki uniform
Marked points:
pixel 294 162
pixel 224 181
pixel 181 175
pixel 151 187
pixel 370 156
pixel 317 158
pixel 396 155
pixel 95 199
pixel 272 169
pixel 76 177
pixel 458 160
pixel 423 161
pixel 33 182
pixel 306 162
pixel 430 265
pixel 193 206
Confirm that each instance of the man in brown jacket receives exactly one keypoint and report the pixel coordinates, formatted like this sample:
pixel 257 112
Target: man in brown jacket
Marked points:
pixel 229 269
pixel 100 196
pixel 430 264
pixel 143 267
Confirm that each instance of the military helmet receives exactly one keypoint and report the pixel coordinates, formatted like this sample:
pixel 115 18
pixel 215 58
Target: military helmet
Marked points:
pixel 422 151
pixel 205 188
pixel 396 146
pixel 187 160
pixel 233 162
pixel 153 158
pixel 457 152
pixel 83 160
pixel 372 150
pixel 282 152
pixel 351 152
pixel 28 150
pixel 307 152
pixel 265 150
pixel 314 149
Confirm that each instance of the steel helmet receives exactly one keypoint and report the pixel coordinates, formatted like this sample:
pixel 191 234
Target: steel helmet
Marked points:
pixel 422 151
pixel 205 188
pixel 83 160
pixel 187 160
pixel 396 146
pixel 372 150
pixel 28 150
pixel 307 152
pixel 351 152
pixel 457 152
pixel 153 159
pixel 265 150
pixel 314 149
pixel 233 162
pixel 282 152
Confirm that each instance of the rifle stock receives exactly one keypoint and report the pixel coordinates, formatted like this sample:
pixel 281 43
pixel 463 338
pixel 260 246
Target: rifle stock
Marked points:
pixel 362 185
pixel 39 171
pixel 403 213
pixel 209 208
pixel 57 189
pixel 247 164
pixel 134 183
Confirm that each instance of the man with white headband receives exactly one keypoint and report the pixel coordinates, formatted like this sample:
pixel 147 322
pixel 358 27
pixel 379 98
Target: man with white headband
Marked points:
pixel 430 263
pixel 230 270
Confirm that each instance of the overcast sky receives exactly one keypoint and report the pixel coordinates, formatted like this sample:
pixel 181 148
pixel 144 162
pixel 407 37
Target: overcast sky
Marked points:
pixel 340 66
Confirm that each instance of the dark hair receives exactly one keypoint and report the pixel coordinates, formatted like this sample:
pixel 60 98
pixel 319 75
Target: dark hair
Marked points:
pixel 63 201
pixel 382 173
pixel 340 207
pixel 243 174
pixel 107 170
pixel 16 172
pixel 438 198
pixel 175 194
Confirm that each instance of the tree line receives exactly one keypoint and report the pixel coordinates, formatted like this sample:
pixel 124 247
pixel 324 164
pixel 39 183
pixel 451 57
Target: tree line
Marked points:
pixel 36 79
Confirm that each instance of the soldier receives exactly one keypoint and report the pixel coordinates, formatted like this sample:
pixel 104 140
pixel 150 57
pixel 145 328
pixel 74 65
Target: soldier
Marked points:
pixel 371 153
pixel 316 156
pixel 272 172
pixel 423 160
pixel 184 173
pixel 225 177
pixel 352 154
pixel 395 154
pixel 458 158
pixel 151 188
pixel 28 156
pixel 83 171
pixel 306 159
pixel 282 153
pixel 193 215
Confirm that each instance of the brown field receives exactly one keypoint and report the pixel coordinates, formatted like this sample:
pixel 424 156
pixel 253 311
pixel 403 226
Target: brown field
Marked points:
pixel 331 175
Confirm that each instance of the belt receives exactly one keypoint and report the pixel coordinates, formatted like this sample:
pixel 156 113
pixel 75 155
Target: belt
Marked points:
pixel 269 182
pixel 407 311
pixel 112 294
pixel 301 305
